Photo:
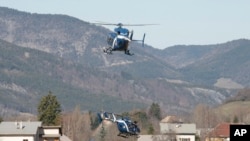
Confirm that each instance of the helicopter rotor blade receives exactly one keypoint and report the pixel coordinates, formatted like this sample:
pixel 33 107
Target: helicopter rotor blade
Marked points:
pixel 120 24
pixel 139 24
pixel 104 23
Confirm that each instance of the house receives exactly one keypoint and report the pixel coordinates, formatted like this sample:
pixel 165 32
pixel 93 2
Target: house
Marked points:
pixel 171 119
pixel 172 129
pixel 153 138
pixel 179 131
pixel 50 133
pixel 220 133
pixel 29 131
pixel 19 131
pixel 172 132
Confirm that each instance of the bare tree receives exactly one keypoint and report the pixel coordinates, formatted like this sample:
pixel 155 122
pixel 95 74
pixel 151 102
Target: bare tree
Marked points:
pixel 205 118
pixel 76 125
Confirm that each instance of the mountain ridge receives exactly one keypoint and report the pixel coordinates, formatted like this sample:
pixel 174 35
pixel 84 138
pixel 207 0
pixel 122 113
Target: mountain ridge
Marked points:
pixel 71 60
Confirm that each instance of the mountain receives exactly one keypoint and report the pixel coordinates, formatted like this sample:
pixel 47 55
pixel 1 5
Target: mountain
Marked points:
pixel 236 108
pixel 242 95
pixel 211 64
pixel 28 74
pixel 64 55
pixel 72 39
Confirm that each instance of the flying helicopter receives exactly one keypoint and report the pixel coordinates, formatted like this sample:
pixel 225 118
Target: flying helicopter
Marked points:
pixel 121 37
pixel 125 125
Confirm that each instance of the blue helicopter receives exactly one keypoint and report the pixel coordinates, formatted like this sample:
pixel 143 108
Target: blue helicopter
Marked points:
pixel 125 125
pixel 121 37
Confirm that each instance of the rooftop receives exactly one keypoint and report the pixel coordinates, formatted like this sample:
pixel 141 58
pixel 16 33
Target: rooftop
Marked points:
pixel 19 128
pixel 221 130
pixel 178 128
pixel 170 119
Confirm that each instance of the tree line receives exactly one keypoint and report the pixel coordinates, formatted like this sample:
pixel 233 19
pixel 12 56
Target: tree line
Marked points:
pixel 79 125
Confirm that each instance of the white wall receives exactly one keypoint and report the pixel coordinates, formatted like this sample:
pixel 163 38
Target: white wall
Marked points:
pixel 51 131
pixel 191 137
pixel 18 138
pixel 164 137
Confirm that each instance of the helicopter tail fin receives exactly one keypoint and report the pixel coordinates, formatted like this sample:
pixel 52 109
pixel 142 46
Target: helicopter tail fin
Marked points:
pixel 143 39
pixel 131 35
pixel 106 116
pixel 100 117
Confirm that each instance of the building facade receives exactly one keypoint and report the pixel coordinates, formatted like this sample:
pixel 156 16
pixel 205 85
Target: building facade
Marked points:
pixel 179 131
pixel 19 131
pixel 220 133
pixel 29 131
pixel 171 129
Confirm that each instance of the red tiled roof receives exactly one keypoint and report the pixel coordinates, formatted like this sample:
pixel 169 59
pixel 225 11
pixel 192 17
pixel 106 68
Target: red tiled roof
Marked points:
pixel 221 130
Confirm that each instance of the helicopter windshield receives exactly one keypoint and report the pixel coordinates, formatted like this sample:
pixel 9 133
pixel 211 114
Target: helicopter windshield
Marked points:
pixel 122 31
pixel 110 38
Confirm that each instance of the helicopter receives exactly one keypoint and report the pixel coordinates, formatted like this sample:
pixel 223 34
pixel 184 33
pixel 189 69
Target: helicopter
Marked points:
pixel 121 37
pixel 125 125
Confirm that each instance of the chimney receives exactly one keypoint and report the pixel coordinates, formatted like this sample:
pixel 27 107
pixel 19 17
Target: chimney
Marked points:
pixel 17 125
pixel 21 125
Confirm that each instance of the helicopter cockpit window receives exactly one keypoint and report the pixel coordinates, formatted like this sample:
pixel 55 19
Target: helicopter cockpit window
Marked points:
pixel 125 34
pixel 110 38
pixel 122 31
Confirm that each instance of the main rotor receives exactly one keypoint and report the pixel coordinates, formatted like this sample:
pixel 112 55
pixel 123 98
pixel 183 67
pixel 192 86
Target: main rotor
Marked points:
pixel 121 24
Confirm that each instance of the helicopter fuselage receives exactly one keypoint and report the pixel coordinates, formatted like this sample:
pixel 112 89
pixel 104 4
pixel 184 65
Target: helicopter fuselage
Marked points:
pixel 118 42
pixel 125 126
pixel 119 39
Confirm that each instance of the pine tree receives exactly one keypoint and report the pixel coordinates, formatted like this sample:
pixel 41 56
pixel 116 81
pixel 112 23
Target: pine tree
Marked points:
pixel 49 110
pixel 1 119
pixel 235 120
pixel 151 129
pixel 102 133
pixel 155 111
pixel 94 121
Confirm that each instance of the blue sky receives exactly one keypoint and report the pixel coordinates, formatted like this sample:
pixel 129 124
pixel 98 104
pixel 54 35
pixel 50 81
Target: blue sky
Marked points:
pixel 185 22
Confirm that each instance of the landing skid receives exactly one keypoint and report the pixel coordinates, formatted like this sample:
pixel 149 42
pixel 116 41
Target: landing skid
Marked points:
pixel 128 53
pixel 126 135
pixel 122 135
pixel 109 51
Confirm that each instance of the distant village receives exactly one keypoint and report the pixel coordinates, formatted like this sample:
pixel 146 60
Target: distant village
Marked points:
pixel 52 125
pixel 171 129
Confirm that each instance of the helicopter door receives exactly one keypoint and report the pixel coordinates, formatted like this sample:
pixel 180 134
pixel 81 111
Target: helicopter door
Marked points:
pixel 110 38
pixel 122 127
pixel 119 43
